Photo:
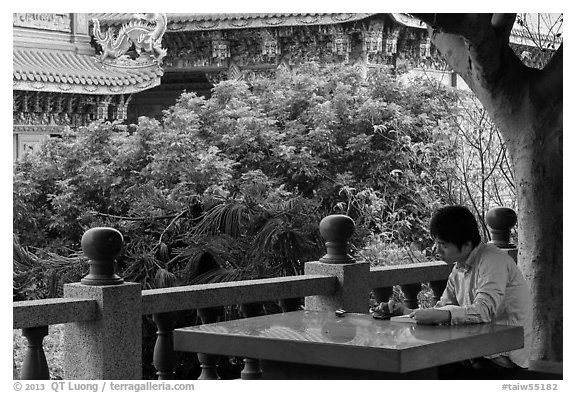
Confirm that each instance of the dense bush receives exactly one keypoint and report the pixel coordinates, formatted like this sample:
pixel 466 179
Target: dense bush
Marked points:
pixel 234 186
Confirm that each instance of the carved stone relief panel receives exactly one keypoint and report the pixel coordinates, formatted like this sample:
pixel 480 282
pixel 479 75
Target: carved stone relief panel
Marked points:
pixel 46 21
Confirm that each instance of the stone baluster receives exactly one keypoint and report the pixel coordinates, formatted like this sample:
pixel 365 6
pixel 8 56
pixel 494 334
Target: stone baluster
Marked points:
pixel 208 362
pixel 34 365
pixel 411 292
pixel 351 293
pixel 163 358
pixel 251 368
pixel 111 346
pixel 500 221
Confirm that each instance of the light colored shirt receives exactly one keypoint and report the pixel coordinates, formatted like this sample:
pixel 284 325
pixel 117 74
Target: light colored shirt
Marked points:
pixel 489 287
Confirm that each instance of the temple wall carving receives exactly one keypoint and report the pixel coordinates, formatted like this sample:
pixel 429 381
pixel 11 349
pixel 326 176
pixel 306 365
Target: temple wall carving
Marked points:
pixel 34 110
pixel 374 41
pixel 46 21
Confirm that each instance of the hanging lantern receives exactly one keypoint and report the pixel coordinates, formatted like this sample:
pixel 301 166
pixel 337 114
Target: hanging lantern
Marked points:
pixel 220 49
pixel 123 109
pixel 102 105
pixel 373 43
pixel 270 46
pixel 121 112
pixel 102 112
pixel 425 47
pixel 372 37
pixel 391 43
pixel 341 45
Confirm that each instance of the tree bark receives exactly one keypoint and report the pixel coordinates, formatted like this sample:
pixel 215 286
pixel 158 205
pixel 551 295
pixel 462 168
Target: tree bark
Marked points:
pixel 526 106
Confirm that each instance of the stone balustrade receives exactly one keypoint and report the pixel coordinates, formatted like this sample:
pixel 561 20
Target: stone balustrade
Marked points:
pixel 102 313
pixel 238 292
pixel 44 312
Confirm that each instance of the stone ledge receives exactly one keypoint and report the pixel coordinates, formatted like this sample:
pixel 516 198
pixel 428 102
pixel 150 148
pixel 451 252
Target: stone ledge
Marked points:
pixel 228 293
pixel 54 311
pixel 387 276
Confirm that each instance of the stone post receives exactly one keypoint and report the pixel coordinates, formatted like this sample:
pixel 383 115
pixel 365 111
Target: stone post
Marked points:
pixel 500 221
pixel 352 290
pixel 109 347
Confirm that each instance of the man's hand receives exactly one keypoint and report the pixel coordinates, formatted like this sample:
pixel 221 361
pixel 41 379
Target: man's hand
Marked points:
pixel 430 316
pixel 393 308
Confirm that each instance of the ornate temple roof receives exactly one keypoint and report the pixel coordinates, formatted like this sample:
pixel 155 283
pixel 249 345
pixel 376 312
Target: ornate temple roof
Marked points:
pixel 192 22
pixel 69 72
pixel 52 53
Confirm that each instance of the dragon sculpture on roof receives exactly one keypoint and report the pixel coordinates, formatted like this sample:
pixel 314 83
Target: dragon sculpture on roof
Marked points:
pixel 144 34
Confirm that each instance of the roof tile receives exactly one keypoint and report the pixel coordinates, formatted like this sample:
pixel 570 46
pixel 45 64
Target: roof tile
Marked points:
pixel 53 67
pixel 207 21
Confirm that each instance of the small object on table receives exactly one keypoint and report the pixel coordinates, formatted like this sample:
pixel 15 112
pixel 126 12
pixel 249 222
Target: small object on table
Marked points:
pixel 380 315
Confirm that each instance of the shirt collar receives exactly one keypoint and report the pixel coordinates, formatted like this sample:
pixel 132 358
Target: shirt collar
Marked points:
pixel 470 261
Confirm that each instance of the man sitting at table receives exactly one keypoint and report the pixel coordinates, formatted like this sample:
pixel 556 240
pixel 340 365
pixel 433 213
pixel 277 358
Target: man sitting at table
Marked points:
pixel 485 285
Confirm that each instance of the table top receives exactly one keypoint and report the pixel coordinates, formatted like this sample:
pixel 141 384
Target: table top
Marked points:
pixel 354 341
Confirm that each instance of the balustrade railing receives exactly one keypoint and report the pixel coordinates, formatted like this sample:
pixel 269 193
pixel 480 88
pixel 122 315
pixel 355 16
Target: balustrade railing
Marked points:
pixel 102 313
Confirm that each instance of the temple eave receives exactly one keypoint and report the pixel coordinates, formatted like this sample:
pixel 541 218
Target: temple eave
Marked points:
pixel 71 88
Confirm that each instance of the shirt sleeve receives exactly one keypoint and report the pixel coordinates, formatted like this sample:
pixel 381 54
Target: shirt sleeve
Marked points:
pixel 449 295
pixel 488 288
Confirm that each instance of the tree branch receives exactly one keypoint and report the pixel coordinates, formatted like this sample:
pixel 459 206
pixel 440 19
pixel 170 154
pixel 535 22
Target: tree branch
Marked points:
pixel 550 83
pixel 475 45
pixel 503 24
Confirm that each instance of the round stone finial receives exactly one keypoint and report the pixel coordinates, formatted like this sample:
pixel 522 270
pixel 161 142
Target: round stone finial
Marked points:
pixel 337 229
pixel 500 221
pixel 101 245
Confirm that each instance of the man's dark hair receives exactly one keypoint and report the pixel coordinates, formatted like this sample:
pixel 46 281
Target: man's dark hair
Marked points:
pixel 455 224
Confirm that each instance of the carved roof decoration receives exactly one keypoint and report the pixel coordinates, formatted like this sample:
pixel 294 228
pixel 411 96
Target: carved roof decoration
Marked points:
pixel 202 22
pixel 69 72
pixel 408 21
pixel 61 60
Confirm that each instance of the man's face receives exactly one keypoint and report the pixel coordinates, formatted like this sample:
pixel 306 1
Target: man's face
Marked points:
pixel 450 253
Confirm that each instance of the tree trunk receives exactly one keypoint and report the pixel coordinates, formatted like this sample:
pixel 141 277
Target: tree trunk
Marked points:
pixel 530 120
pixel 536 154
pixel 526 105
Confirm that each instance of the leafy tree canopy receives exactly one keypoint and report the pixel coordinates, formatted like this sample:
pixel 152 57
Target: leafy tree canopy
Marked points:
pixel 234 186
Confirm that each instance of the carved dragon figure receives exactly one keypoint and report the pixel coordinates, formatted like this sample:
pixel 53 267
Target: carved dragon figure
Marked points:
pixel 144 37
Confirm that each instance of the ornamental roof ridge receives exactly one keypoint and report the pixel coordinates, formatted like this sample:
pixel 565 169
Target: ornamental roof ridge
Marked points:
pixel 49 70
pixel 210 21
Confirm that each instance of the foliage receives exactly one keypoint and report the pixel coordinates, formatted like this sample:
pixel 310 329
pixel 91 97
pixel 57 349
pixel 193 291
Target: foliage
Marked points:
pixel 234 186
pixel 37 277
pixel 482 176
